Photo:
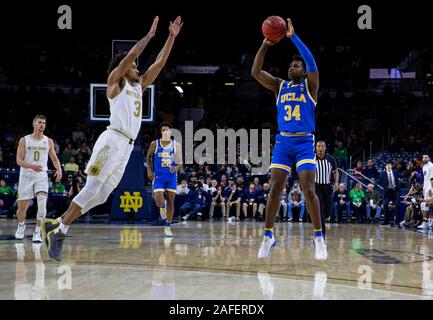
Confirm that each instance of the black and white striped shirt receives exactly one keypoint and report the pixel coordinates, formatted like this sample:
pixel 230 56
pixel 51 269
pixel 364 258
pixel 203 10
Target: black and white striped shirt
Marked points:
pixel 324 168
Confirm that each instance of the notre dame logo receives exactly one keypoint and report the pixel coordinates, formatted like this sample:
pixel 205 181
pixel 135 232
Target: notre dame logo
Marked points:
pixel 128 202
pixel 130 238
pixel 94 170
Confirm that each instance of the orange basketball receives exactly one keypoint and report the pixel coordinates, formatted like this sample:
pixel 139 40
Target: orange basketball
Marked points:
pixel 274 28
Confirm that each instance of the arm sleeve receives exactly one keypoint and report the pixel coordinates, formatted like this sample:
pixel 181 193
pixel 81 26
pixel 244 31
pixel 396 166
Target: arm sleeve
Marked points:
pixel 306 54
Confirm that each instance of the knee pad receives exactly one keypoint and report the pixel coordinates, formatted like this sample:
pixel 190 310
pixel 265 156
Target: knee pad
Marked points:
pixel 42 206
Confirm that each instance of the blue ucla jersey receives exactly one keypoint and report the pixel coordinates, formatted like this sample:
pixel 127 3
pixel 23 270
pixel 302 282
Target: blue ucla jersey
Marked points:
pixel 164 157
pixel 295 108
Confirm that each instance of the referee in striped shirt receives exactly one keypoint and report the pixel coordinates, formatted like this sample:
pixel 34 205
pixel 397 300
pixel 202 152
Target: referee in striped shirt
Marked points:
pixel 326 166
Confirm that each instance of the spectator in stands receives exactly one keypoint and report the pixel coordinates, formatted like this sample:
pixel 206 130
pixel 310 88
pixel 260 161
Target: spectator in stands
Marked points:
pixel 85 151
pixel 218 200
pixel 240 182
pixel 357 196
pixel 57 187
pixel 341 155
pixel 80 161
pixel 233 197
pixel 296 200
pixel 341 202
pixel 213 184
pixel 249 201
pixel 193 178
pixel 5 190
pixel 66 155
pixel 263 198
pixel 182 189
pixel 357 173
pixel 257 185
pixel 223 181
pixel 412 215
pixel 71 166
pixel 370 171
pixel 391 189
pixel 373 202
pixel 203 184
pixel 193 203
pixel 284 203
pixel 207 171
pixel 74 187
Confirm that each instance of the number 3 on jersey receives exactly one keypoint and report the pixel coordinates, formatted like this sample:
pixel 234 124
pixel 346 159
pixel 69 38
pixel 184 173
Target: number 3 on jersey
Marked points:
pixel 137 108
pixel 296 114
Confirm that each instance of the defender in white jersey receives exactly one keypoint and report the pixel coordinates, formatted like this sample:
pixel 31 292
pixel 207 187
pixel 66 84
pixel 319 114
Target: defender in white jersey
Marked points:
pixel 113 148
pixel 32 157
pixel 427 172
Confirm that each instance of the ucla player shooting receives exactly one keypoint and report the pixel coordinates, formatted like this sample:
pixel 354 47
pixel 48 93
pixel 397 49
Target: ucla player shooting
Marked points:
pixel 164 160
pixel 296 103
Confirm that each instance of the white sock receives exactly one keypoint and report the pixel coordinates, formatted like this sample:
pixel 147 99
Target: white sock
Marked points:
pixel 22 223
pixel 59 220
pixel 63 228
pixel 38 229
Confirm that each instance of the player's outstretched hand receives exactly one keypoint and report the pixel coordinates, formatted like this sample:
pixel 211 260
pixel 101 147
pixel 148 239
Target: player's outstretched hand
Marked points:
pixel 175 26
pixel 290 29
pixel 150 176
pixel 152 30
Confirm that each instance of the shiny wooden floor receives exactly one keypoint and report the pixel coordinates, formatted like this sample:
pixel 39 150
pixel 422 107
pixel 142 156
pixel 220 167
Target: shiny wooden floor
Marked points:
pixel 217 260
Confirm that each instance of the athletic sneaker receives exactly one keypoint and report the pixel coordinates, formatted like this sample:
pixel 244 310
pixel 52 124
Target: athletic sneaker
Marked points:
pixel 167 232
pixel 267 245
pixel 37 237
pixel 21 229
pixel 55 243
pixel 423 225
pixel 320 249
pixel 48 225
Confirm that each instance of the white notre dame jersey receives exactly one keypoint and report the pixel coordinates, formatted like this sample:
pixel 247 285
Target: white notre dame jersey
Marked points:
pixel 125 110
pixel 36 152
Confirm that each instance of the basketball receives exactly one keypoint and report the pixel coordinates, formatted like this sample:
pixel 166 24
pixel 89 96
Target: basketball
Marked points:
pixel 274 28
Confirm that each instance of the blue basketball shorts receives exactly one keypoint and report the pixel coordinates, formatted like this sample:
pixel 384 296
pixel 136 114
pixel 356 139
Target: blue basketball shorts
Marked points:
pixel 165 182
pixel 294 151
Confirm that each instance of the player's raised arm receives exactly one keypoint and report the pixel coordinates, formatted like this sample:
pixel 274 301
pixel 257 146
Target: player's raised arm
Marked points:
pixel 133 54
pixel 264 78
pixel 150 75
pixel 55 160
pixel 150 152
pixel 310 63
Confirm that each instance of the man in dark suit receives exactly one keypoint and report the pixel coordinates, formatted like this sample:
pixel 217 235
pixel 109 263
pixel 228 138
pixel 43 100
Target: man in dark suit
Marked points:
pixel 391 193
